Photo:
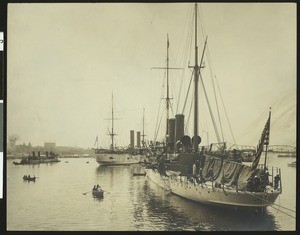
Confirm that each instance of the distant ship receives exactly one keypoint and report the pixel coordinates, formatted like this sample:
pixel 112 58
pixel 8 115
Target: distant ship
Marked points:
pixel 212 177
pixel 33 159
pixel 114 156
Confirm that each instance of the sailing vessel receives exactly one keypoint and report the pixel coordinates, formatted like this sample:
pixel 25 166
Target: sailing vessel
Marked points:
pixel 212 177
pixel 113 155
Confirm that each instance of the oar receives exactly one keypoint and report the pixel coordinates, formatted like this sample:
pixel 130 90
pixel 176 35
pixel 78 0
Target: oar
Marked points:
pixel 105 191
pixel 87 192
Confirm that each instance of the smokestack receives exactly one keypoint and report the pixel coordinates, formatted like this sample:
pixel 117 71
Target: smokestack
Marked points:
pixel 39 154
pixel 132 139
pixel 33 153
pixel 171 133
pixel 179 126
pixel 138 139
pixel 47 154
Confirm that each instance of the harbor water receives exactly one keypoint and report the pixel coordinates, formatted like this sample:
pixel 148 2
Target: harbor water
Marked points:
pixel 60 200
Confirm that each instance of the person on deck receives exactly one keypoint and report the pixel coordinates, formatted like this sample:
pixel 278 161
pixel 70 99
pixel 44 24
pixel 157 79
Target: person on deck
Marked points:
pixel 210 173
pixel 276 181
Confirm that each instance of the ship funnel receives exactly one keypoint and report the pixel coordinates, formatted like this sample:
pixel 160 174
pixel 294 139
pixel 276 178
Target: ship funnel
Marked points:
pixel 33 154
pixel 186 140
pixel 171 133
pixel 179 126
pixel 138 139
pixel 132 139
pixel 198 139
pixel 39 153
pixel 47 155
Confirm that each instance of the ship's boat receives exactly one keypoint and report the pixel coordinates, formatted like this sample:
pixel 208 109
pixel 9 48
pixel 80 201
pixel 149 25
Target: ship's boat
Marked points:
pixel 29 178
pixel 97 192
pixel 292 164
pixel 139 173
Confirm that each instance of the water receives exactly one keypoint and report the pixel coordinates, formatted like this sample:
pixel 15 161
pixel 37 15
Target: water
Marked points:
pixel 56 201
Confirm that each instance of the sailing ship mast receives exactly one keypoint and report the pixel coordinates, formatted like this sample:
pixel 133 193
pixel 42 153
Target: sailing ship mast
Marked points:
pixel 196 80
pixel 168 97
pixel 112 134
pixel 143 134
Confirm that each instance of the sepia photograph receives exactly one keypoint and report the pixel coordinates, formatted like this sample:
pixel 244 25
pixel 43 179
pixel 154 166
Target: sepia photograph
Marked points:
pixel 151 116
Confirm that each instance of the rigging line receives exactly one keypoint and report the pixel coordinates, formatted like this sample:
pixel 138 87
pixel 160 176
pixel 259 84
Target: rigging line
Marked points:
pixel 192 103
pixel 159 106
pixel 158 126
pixel 188 92
pixel 210 111
pixel 226 113
pixel 171 108
pixel 186 55
pixel 215 95
pixel 202 22
pixel 212 80
pixel 283 212
pixel 211 71
pixel 273 203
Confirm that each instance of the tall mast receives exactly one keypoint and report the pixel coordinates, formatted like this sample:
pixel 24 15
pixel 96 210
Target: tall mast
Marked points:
pixel 112 121
pixel 168 97
pixel 112 134
pixel 196 79
pixel 143 135
pixel 168 92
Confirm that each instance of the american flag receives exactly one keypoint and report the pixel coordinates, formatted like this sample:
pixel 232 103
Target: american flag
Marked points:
pixel 264 140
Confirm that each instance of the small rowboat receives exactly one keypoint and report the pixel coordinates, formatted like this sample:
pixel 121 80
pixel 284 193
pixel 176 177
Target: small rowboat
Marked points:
pixel 28 178
pixel 139 174
pixel 293 164
pixel 97 192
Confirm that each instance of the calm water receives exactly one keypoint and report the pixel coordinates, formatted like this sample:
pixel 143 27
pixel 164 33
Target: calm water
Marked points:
pixel 56 201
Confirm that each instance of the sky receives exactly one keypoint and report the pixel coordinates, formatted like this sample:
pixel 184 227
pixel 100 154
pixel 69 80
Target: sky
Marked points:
pixel 66 60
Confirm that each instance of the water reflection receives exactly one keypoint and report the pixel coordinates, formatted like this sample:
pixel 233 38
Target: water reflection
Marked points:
pixel 181 212
pixel 153 205
pixel 130 202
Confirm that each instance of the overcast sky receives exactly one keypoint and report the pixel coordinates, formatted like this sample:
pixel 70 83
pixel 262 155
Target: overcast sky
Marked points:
pixel 65 60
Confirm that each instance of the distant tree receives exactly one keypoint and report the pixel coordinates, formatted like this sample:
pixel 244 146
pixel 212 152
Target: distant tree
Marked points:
pixel 12 139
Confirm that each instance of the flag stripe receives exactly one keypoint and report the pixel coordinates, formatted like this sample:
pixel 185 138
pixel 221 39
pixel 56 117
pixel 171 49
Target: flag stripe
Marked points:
pixel 264 140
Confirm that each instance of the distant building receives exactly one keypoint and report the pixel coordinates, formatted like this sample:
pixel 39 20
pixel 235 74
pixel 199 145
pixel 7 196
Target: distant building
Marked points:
pixel 49 146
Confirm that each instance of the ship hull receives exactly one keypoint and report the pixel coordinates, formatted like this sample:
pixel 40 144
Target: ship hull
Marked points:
pixel 43 161
pixel 116 159
pixel 37 161
pixel 205 193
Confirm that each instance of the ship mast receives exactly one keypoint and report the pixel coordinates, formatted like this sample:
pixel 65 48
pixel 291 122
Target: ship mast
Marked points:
pixel 143 135
pixel 168 97
pixel 112 134
pixel 196 80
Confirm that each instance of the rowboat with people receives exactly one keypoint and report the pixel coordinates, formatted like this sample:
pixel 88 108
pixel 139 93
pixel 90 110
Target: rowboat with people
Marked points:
pixel 29 178
pixel 97 191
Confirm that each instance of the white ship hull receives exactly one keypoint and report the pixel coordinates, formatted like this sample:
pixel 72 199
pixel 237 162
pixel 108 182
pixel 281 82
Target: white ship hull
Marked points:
pixel 205 193
pixel 109 159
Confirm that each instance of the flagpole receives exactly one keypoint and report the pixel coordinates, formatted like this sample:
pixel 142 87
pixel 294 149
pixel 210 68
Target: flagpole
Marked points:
pixel 267 143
